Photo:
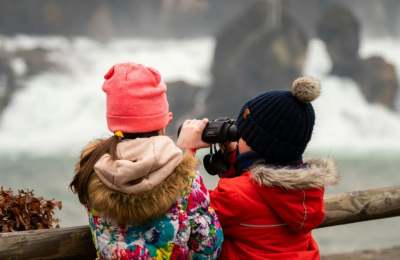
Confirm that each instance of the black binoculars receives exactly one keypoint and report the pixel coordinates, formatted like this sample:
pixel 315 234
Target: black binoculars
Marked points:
pixel 217 131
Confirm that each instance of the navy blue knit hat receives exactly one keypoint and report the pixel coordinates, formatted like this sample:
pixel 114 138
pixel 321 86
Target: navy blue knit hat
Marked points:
pixel 278 124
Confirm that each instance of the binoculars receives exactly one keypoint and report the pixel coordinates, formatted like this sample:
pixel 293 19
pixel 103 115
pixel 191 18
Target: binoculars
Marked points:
pixel 217 131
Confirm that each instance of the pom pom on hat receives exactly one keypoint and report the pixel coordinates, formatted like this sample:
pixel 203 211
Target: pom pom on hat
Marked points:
pixel 278 124
pixel 306 89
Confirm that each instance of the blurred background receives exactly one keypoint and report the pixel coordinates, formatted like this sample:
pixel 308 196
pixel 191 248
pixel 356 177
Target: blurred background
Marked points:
pixel 214 55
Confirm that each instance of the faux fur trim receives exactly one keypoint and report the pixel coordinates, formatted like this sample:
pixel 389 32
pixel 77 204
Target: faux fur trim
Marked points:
pixel 136 209
pixel 318 173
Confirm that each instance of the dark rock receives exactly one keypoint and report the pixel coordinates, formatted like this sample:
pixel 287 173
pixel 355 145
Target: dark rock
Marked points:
pixel 306 13
pixel 259 51
pixel 183 101
pixel 8 83
pixel 36 62
pixel 150 18
pixel 100 25
pixel 378 81
pixel 35 59
pixel 378 18
pixel 340 30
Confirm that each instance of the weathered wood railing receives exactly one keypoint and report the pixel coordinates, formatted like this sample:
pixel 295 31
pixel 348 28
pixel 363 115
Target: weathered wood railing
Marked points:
pixel 75 242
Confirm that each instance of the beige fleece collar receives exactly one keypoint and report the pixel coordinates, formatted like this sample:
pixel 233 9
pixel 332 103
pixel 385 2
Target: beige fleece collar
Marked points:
pixel 317 174
pixel 143 164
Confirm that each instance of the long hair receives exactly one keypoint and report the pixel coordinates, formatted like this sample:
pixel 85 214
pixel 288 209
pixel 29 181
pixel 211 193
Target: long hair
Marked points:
pixel 84 168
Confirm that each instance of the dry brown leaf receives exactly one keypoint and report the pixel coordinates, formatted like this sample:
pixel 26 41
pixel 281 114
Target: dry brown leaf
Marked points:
pixel 24 211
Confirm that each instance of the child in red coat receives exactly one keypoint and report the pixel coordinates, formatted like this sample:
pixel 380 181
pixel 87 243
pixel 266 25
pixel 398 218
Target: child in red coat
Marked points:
pixel 270 199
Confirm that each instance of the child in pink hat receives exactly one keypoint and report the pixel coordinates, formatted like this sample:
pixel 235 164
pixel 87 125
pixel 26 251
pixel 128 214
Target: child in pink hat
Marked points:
pixel 143 195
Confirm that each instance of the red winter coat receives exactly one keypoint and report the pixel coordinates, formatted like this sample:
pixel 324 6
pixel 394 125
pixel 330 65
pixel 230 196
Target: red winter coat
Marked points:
pixel 268 213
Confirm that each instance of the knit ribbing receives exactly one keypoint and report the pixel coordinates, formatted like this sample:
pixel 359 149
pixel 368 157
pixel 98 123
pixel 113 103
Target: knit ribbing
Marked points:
pixel 278 127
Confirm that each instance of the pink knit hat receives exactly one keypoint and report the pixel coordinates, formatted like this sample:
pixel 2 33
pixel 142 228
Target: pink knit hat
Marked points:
pixel 136 99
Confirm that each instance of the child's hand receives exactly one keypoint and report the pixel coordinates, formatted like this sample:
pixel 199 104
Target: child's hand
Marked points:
pixel 190 135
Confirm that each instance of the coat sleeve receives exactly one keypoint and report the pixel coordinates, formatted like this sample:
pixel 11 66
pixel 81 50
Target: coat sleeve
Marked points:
pixel 223 199
pixel 206 234
pixel 302 210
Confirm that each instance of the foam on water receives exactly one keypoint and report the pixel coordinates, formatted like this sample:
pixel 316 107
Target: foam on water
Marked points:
pixel 346 122
pixel 58 112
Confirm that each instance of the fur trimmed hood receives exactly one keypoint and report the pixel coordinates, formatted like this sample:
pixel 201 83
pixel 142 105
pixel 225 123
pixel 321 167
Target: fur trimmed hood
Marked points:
pixel 137 209
pixel 142 164
pixel 317 173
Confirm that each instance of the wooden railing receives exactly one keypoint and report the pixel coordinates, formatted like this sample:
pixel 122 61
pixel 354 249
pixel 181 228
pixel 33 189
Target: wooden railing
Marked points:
pixel 76 243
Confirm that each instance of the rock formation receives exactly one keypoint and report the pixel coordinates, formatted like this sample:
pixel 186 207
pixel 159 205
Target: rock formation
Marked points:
pixel 34 61
pixel 263 49
pixel 7 81
pixel 181 96
pixel 378 81
pixel 340 30
pixel 102 19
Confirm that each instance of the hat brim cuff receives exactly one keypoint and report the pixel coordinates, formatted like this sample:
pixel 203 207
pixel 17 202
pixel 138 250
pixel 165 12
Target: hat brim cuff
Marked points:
pixel 141 124
pixel 269 146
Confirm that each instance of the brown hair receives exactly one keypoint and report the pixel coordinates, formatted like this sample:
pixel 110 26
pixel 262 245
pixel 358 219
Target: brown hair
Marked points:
pixel 90 155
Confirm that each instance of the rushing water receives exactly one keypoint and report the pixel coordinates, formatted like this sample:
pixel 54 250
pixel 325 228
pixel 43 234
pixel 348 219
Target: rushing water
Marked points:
pixel 57 112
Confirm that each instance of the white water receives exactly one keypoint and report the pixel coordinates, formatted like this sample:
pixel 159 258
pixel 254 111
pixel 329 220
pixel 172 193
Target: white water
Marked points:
pixel 346 122
pixel 59 111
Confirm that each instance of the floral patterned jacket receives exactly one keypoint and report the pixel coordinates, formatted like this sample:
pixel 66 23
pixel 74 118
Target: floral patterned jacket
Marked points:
pixel 190 229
